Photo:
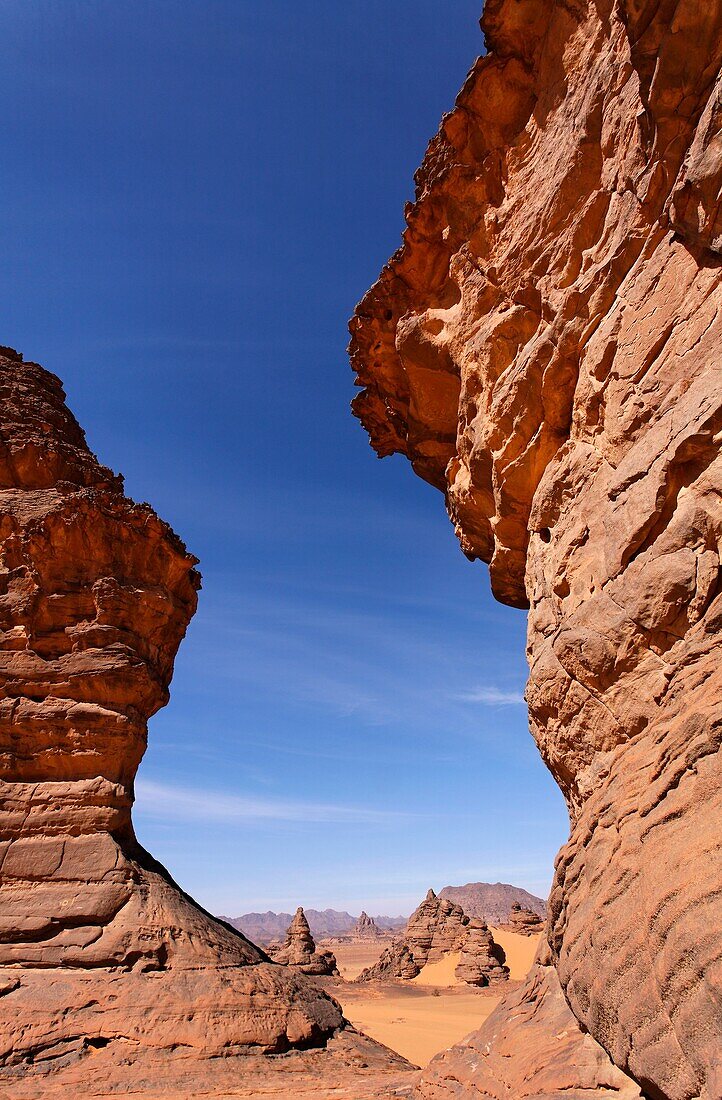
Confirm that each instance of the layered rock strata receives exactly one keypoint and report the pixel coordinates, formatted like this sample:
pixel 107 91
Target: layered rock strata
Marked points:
pixel 544 348
pixel 107 969
pixel 481 960
pixel 299 949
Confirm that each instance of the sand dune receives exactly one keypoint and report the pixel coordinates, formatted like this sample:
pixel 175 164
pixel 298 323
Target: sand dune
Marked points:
pixel 519 950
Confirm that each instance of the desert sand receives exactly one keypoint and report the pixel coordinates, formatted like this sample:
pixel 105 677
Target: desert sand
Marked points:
pixel 417 1021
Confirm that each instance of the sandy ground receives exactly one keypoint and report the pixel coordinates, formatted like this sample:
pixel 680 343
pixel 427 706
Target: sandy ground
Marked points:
pixel 416 1021
pixel 424 1016
pixel 352 958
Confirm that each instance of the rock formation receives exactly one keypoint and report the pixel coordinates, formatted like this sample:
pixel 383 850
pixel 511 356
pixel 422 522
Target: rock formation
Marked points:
pixel 524 921
pixel 366 928
pixel 299 949
pixel 482 960
pixel 492 901
pixel 545 349
pixel 439 927
pixel 109 974
pixel 395 962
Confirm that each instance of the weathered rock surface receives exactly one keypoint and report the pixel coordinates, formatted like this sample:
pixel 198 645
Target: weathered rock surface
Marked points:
pixel 524 921
pixel 492 901
pixel 299 949
pixel 482 960
pixel 436 928
pixel 545 349
pixel 107 969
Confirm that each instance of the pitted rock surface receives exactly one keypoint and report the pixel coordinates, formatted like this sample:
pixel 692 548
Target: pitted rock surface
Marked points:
pixel 545 349
pixel 106 967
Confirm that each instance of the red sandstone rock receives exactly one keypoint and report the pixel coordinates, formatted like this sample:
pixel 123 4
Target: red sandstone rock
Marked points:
pixel 545 349
pixel 106 967
pixel 299 949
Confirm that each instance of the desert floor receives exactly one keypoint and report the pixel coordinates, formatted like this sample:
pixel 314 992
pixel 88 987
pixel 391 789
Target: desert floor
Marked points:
pixel 422 1017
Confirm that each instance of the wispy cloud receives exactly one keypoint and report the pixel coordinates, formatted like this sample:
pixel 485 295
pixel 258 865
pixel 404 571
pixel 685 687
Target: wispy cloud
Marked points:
pixel 492 697
pixel 189 804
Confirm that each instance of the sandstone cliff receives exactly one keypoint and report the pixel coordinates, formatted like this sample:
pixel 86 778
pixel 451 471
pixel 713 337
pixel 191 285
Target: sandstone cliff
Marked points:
pixel 544 348
pixel 110 976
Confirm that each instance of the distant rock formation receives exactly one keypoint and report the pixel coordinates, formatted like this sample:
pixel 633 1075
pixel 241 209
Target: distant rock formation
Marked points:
pixel 366 928
pixel 439 927
pixel 264 928
pixel 482 959
pixel 524 921
pixel 106 967
pixel 394 962
pixel 545 349
pixel 492 901
pixel 299 949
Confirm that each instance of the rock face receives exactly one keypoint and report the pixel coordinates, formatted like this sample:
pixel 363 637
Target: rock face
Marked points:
pixel 492 901
pixel 439 927
pixel 299 949
pixel 545 349
pixel 524 921
pixel 366 928
pixel 107 970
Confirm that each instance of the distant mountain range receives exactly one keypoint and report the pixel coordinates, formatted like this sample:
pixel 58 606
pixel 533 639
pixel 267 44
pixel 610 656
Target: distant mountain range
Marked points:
pixel 492 901
pixel 264 927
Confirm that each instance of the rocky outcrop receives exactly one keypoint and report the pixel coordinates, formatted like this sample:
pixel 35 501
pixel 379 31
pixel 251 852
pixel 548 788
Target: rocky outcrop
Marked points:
pixel 395 962
pixel 435 929
pixel 299 949
pixel 492 901
pixel 544 348
pixel 481 961
pixel 108 972
pixel 524 921
pixel 366 928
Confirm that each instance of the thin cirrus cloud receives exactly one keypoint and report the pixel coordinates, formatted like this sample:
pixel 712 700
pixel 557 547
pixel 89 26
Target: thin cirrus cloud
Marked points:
pixel 492 697
pixel 174 803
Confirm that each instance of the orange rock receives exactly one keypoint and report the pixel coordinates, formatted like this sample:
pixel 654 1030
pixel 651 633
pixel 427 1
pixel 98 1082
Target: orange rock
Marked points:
pixel 106 967
pixel 545 349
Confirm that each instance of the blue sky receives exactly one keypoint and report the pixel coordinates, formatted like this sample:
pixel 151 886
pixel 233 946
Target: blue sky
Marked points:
pixel 195 194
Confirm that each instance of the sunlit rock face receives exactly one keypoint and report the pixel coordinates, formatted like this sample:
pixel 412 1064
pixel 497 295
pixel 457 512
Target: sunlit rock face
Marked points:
pixel 111 978
pixel 545 349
